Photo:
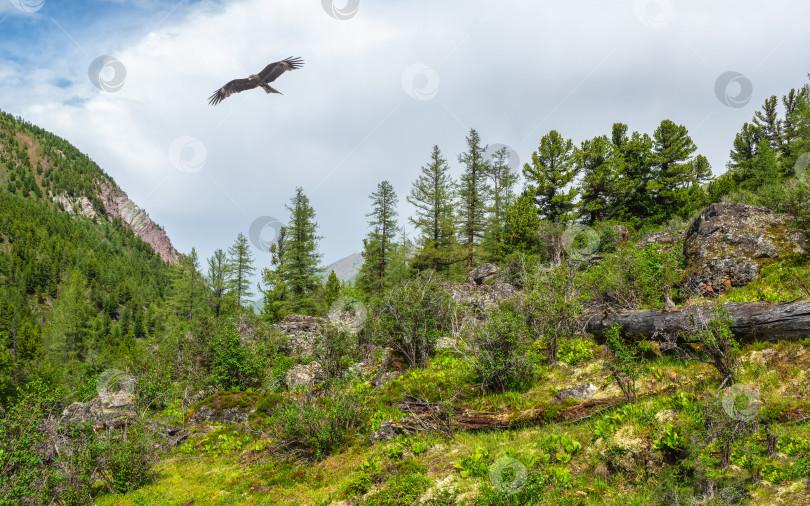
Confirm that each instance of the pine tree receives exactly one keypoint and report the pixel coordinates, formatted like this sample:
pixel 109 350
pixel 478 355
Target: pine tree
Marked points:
pixel 598 186
pixel 673 171
pixel 240 268
pixel 432 194
pixel 474 194
pixel 522 223
pixel 552 170
pixel 378 246
pixel 764 167
pixel 217 280
pixel 67 324
pixel 503 180
pixel 633 159
pixel 743 151
pixel 186 291
pixel 299 263
pixel 769 122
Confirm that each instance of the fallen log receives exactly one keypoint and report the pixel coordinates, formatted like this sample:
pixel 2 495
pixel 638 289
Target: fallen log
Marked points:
pixel 751 321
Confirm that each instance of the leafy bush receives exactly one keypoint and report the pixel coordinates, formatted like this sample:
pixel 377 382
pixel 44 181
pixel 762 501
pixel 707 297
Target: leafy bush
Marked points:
pixel 128 459
pixel 633 278
pixel 312 427
pixel 622 361
pixel 335 350
pixel 499 350
pixel 554 306
pixel 411 317
pixel 232 365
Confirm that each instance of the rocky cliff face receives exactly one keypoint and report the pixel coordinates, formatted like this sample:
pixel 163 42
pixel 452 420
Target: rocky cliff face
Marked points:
pixel 118 205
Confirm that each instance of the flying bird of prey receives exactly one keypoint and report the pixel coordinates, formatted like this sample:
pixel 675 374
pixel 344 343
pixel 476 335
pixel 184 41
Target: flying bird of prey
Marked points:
pixel 260 80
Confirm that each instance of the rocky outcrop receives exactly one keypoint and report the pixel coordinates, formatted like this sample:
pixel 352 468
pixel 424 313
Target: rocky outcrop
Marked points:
pixel 106 407
pixel 224 407
pixel 660 238
pixel 728 244
pixel 304 376
pixel 482 274
pixel 482 298
pixel 303 333
pixel 80 205
pixel 118 205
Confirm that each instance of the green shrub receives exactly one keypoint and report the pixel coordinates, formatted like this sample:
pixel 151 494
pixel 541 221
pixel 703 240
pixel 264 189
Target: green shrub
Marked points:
pixel 633 278
pixel 411 317
pixel 128 459
pixel 500 349
pixel 312 427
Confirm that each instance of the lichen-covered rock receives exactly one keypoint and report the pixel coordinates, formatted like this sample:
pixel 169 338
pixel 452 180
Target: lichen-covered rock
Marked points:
pixel 107 406
pixel 482 298
pixel 303 333
pixel 304 376
pixel 223 407
pixel 660 238
pixel 728 244
pixel 579 393
pixel 482 274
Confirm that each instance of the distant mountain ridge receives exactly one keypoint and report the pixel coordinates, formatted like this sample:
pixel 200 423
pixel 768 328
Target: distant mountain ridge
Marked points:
pixel 40 165
pixel 346 269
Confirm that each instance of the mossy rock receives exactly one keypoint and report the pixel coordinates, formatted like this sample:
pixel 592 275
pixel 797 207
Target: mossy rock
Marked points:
pixel 224 407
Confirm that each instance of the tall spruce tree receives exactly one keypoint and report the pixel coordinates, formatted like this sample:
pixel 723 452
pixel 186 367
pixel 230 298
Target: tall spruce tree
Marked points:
pixel 186 292
pixel 551 170
pixel 217 280
pixel 275 289
pixel 634 160
pixel 432 194
pixel 503 180
pixel 240 268
pixel 474 194
pixel 378 246
pixel 300 258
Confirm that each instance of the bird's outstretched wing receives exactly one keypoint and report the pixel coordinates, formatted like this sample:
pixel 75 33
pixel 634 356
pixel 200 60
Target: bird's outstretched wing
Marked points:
pixel 229 89
pixel 272 71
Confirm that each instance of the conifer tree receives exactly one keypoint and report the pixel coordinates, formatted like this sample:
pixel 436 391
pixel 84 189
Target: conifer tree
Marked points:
pixel 217 279
pixel 633 159
pixel 503 180
pixel 185 292
pixel 378 246
pixel 770 123
pixel 331 290
pixel 432 194
pixel 240 268
pixel 275 289
pixel 673 170
pixel 550 172
pixel 599 178
pixel 474 195
pixel 300 257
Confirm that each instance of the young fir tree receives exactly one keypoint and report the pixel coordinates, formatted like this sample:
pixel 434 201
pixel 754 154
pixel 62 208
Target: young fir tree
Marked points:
pixel 503 180
pixel 432 194
pixel 186 290
pixel 300 259
pixel 217 280
pixel 378 246
pixel 764 167
pixel 331 290
pixel 275 289
pixel 551 170
pixel 240 268
pixel 474 195
pixel 790 132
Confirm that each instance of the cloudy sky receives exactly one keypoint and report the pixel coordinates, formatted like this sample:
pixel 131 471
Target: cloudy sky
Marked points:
pixel 127 81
